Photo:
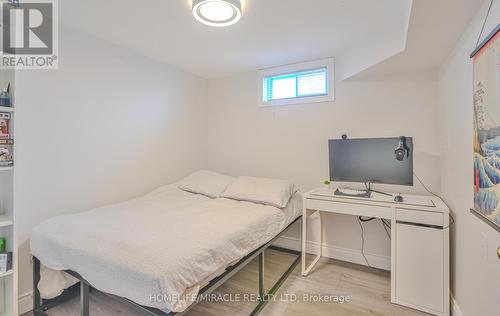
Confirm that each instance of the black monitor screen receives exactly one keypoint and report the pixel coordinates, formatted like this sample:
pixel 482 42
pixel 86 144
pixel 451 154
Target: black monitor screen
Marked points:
pixel 370 159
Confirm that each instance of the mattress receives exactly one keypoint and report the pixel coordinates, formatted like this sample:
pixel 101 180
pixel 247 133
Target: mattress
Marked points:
pixel 167 244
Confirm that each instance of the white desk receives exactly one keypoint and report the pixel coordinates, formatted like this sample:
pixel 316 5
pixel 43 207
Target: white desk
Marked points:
pixel 419 243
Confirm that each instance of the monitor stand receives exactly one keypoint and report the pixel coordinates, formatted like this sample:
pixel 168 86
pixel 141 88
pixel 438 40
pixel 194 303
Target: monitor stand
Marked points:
pixel 369 188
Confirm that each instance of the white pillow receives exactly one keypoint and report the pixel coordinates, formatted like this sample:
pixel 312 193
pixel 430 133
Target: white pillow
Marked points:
pixel 272 192
pixel 205 182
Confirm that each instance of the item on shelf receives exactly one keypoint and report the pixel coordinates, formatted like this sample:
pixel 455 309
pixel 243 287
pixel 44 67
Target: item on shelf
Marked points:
pixel 3 242
pixel 4 125
pixel 6 156
pixel 5 262
pixel 2 296
pixel 5 97
pixel 6 142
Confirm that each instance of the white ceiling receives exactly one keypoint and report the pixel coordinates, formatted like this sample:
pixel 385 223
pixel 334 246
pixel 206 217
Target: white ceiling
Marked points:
pixel 278 32
pixel 270 33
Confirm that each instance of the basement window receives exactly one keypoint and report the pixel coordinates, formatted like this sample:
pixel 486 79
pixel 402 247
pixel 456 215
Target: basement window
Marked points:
pixel 300 83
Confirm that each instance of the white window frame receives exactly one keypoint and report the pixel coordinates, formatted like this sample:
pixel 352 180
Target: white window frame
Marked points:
pixel 327 63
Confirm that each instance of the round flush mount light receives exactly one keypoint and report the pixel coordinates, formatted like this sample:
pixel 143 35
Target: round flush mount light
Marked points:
pixel 217 12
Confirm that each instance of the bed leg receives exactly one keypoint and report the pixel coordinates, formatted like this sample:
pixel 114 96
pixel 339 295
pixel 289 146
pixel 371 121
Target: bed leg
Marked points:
pixel 37 301
pixel 261 276
pixel 84 298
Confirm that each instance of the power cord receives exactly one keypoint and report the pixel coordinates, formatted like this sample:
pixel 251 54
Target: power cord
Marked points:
pixel 360 220
pixel 369 219
pixel 385 223
pixel 387 226
pixel 484 23
pixel 452 219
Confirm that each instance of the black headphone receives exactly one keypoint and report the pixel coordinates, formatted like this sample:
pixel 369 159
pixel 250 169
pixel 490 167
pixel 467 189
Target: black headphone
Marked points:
pixel 402 152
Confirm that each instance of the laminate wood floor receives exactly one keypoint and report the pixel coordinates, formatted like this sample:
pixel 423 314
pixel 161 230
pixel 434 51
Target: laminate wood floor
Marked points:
pixel 367 288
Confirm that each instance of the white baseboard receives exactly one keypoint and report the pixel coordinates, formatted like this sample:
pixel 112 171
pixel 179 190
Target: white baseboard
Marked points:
pixel 455 309
pixel 25 302
pixel 339 253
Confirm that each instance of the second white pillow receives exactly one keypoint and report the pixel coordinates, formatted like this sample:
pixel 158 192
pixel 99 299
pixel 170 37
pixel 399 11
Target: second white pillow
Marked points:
pixel 272 192
pixel 205 182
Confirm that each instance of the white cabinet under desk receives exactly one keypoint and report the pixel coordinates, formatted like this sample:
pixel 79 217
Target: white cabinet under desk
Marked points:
pixel 419 243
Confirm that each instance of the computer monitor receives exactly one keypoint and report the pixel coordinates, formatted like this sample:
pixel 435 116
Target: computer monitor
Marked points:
pixel 370 160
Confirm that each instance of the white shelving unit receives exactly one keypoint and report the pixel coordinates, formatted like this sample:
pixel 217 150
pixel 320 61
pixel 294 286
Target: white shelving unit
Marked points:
pixel 6 274
pixel 8 280
pixel 5 221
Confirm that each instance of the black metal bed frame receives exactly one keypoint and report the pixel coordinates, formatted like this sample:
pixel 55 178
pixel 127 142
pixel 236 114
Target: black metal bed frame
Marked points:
pixel 40 306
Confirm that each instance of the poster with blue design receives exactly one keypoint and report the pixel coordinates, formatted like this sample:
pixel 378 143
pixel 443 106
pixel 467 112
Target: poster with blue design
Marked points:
pixel 487 130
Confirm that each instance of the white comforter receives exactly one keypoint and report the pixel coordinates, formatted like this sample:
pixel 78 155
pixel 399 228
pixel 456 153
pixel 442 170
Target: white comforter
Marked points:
pixel 167 243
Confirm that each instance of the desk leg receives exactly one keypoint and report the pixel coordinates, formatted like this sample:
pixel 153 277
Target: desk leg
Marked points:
pixel 84 299
pixel 303 238
pixel 320 253
pixel 305 215
pixel 394 238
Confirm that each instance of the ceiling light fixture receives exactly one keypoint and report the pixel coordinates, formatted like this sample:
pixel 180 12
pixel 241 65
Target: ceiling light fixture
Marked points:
pixel 217 12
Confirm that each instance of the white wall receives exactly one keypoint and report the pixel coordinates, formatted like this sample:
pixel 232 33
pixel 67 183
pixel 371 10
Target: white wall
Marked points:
pixel 475 277
pixel 90 134
pixel 107 126
pixel 291 142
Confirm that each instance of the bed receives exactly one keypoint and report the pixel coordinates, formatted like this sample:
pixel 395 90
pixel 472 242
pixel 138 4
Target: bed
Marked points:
pixel 170 244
